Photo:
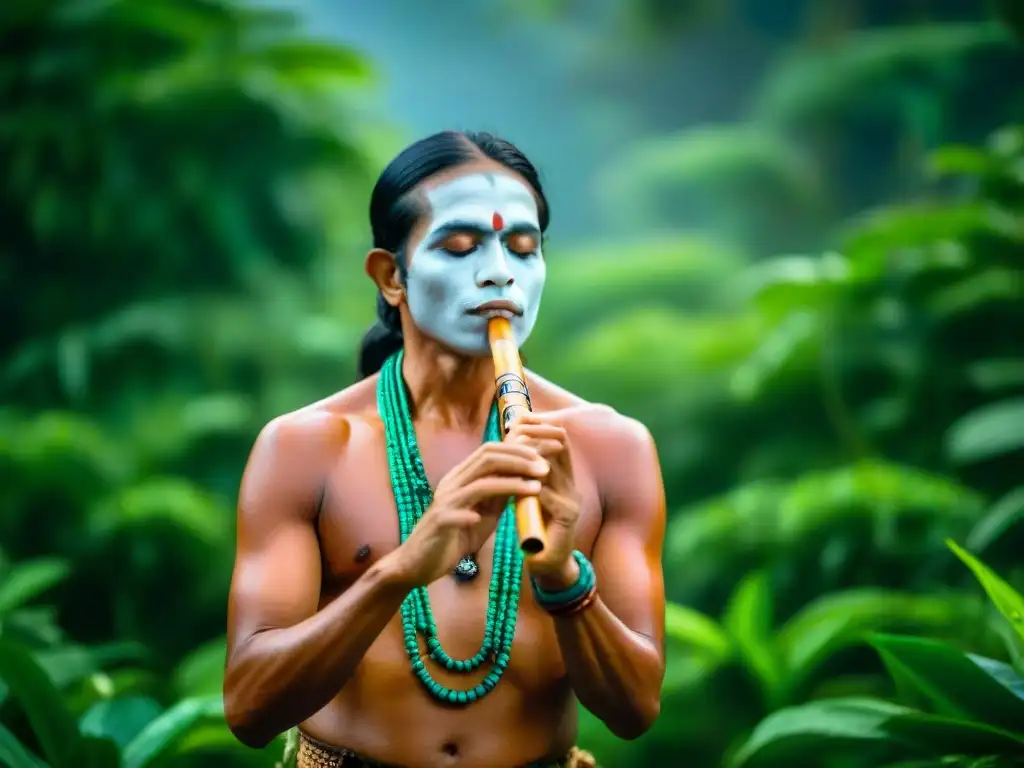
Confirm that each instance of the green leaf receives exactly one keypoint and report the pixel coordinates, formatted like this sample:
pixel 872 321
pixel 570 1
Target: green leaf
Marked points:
pixel 987 432
pixel 997 373
pixel 28 580
pixel 694 629
pixel 307 59
pixel 120 720
pixel 837 620
pixel 961 160
pixel 1003 514
pixel 981 289
pixel 788 736
pixel 51 721
pixel 171 499
pixel 1002 672
pixel 68 663
pixel 201 673
pixel 951 683
pixel 13 754
pixel 161 734
pixel 1005 598
pixel 748 620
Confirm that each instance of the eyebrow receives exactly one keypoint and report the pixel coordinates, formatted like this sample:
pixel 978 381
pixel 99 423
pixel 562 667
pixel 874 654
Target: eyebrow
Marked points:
pixel 482 231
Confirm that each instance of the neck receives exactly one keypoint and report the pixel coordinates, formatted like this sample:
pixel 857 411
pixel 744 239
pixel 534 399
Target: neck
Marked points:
pixel 457 390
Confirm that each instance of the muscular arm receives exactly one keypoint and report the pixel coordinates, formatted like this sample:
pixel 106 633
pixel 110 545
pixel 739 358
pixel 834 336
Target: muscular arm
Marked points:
pixel 614 650
pixel 285 659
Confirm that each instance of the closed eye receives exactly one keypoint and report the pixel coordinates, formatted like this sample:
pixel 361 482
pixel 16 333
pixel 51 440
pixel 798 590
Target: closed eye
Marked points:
pixel 458 244
pixel 522 244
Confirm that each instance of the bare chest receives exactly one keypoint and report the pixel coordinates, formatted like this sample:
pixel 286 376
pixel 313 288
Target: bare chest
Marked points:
pixel 359 524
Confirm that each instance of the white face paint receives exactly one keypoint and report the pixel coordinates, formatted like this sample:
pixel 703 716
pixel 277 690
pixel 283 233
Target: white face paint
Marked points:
pixel 482 244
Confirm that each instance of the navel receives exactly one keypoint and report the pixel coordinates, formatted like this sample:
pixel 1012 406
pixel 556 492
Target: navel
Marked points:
pixel 362 553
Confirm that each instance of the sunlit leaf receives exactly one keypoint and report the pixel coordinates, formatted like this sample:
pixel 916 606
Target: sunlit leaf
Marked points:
pixel 694 629
pixel 170 499
pixel 304 60
pixel 26 581
pixel 748 620
pixel 1006 599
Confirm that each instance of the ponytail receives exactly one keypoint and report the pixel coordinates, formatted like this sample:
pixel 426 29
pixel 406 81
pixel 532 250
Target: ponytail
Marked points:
pixel 382 340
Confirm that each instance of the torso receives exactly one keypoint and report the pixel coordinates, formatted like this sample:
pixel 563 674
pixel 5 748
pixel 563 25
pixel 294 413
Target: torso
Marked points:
pixel 383 711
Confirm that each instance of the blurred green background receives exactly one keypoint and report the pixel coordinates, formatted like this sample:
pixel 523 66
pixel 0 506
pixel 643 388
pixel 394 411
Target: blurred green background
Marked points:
pixel 787 236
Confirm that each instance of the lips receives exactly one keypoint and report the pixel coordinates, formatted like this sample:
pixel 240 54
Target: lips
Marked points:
pixel 497 308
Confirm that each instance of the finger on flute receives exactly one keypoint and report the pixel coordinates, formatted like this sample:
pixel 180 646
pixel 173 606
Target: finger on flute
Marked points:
pixel 514 399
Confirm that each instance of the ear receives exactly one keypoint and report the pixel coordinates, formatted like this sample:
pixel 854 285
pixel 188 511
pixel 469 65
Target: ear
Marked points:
pixel 382 268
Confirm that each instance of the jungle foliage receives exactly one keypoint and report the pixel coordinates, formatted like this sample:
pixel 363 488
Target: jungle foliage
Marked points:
pixel 184 213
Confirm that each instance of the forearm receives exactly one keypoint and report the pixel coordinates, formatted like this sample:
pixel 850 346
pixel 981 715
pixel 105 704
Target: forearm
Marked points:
pixel 278 678
pixel 615 672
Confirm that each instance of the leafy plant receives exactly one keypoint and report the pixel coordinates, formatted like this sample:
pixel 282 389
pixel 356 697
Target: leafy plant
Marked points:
pixel 121 732
pixel 957 704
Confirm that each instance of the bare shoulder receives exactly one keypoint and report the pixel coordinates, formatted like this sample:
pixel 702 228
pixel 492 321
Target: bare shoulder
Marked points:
pixel 294 452
pixel 613 442
pixel 318 426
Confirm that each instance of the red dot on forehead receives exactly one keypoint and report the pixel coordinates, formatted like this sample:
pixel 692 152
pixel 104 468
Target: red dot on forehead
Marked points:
pixel 497 222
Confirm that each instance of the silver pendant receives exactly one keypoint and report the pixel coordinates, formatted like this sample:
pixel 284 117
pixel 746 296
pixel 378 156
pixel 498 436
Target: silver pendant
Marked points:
pixel 467 569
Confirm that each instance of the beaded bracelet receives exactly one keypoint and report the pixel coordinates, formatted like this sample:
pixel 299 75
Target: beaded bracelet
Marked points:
pixel 573 598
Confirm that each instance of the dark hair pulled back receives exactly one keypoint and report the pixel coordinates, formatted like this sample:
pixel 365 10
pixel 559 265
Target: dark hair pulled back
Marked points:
pixel 394 212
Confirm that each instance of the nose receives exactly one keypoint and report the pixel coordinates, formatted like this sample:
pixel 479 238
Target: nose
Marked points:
pixel 494 269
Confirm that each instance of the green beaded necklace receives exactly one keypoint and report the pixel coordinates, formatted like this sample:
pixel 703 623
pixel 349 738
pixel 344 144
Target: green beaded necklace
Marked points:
pixel 413 496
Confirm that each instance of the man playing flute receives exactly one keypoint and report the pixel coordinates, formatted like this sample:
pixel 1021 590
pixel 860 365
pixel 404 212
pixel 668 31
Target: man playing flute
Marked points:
pixel 380 600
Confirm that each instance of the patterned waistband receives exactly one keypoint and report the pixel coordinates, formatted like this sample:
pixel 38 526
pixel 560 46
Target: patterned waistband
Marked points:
pixel 316 754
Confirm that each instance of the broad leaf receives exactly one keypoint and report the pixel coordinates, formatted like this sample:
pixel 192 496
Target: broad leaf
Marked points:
pixel 694 629
pixel 949 681
pixel 13 754
pixel 67 664
pixel 788 736
pixel 52 723
pixel 748 619
pixel 201 673
pixel 120 720
pixel 987 432
pixel 162 733
pixel 26 581
pixel 1005 598
pixel 837 620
